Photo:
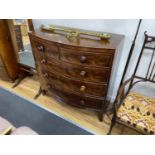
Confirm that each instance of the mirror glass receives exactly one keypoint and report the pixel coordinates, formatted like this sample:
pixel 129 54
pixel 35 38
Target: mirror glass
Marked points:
pixel 21 29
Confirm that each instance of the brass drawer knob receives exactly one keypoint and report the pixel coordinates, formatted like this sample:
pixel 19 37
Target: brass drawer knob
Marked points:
pixel 83 59
pixel 83 73
pixel 82 102
pixel 46 75
pixel 43 61
pixel 82 88
pixel 40 48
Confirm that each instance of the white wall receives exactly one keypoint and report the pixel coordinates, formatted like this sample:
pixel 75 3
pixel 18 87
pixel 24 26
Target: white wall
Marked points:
pixel 126 27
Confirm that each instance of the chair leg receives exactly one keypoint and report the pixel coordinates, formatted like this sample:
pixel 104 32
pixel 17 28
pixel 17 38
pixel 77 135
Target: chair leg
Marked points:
pixel 113 121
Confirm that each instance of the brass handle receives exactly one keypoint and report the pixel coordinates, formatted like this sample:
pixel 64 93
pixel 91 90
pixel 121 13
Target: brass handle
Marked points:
pixel 82 102
pixel 40 48
pixel 83 59
pixel 82 88
pixel 43 61
pixel 83 73
pixel 46 75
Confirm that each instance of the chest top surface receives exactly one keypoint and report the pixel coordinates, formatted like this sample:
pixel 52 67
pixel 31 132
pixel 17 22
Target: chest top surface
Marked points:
pixel 83 41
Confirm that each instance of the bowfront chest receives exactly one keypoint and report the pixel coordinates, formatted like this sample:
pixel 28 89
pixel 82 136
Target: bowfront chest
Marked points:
pixel 75 71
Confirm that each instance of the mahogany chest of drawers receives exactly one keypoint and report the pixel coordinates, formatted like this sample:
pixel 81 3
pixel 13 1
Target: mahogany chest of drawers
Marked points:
pixel 75 71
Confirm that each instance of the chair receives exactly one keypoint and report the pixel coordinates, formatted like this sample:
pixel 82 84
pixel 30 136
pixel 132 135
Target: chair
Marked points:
pixel 6 128
pixel 133 109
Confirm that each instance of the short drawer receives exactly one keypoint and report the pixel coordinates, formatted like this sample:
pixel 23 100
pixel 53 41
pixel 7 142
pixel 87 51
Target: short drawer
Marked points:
pixel 86 58
pixel 52 65
pixel 76 85
pixel 42 49
pixel 76 99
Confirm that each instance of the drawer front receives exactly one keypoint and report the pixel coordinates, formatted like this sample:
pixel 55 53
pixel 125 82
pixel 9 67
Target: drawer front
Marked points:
pixel 52 65
pixel 78 71
pixel 75 85
pixel 42 49
pixel 86 73
pixel 86 58
pixel 76 99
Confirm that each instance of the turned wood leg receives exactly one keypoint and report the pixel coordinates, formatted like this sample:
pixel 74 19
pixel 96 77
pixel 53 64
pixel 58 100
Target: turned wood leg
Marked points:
pixel 40 91
pixel 20 78
pixel 43 92
pixel 38 94
pixel 104 109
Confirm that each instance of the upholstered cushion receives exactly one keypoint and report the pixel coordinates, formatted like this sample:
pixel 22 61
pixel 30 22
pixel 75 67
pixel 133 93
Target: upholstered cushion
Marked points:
pixel 24 131
pixel 139 111
pixel 4 124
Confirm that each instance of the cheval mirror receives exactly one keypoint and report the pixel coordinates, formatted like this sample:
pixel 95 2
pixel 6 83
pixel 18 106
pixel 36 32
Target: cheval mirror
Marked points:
pixel 19 29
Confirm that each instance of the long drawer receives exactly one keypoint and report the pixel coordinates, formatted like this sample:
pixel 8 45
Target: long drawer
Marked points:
pixel 75 85
pixel 92 74
pixel 76 99
pixel 86 58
